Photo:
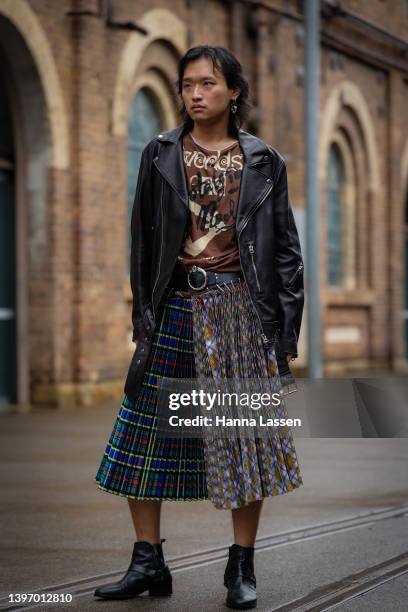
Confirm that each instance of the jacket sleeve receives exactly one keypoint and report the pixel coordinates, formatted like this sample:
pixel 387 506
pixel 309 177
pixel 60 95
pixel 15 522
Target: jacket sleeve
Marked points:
pixel 289 266
pixel 141 222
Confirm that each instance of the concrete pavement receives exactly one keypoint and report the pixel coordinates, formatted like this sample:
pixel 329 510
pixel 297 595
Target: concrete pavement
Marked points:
pixel 60 529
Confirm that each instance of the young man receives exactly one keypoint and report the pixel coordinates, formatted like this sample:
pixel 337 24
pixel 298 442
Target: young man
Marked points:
pixel 217 280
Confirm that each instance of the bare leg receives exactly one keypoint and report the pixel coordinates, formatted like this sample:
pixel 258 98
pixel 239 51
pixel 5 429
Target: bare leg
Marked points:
pixel 245 521
pixel 146 519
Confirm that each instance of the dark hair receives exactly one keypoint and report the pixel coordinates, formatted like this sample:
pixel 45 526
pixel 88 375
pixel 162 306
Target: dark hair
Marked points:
pixel 230 67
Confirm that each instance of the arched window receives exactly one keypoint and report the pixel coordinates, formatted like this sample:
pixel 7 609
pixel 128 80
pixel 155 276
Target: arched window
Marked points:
pixel 144 124
pixel 335 217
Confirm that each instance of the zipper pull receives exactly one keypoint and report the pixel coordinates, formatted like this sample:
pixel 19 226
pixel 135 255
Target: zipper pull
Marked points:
pixel 251 247
pixel 293 277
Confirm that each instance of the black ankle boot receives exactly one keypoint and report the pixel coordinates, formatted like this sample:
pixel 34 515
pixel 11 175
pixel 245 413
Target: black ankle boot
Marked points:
pixel 147 571
pixel 239 578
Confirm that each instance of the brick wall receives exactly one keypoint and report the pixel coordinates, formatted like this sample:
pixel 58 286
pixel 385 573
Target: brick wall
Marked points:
pixel 88 320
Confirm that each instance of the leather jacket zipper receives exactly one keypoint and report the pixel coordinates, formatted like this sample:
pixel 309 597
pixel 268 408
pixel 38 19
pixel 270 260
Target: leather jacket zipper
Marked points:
pixel 161 251
pixel 263 336
pixel 295 274
pixel 252 251
pixel 251 212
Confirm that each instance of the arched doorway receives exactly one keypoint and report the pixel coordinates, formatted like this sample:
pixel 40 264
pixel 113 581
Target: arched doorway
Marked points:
pixel 8 366
pixel 25 160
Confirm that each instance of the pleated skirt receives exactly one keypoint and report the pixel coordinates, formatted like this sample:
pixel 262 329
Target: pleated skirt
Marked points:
pixel 215 334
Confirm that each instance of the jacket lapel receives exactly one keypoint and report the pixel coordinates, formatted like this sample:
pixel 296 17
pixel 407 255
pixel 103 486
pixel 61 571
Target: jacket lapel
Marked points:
pixel 256 175
pixel 255 178
pixel 170 164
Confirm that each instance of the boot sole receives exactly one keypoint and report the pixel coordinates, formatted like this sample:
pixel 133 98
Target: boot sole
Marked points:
pixel 159 590
pixel 246 606
pixel 151 594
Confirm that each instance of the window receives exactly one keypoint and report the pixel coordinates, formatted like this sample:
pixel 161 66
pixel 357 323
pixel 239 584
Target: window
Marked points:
pixel 335 217
pixel 144 124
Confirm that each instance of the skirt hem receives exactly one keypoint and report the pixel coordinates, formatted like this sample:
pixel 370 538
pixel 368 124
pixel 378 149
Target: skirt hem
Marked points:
pixel 141 497
pixel 293 487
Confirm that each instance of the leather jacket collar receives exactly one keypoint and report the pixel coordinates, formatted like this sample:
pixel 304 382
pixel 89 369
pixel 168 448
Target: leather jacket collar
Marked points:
pixel 256 178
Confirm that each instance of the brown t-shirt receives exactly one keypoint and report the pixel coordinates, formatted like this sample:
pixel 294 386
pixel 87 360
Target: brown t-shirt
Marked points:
pixel 213 179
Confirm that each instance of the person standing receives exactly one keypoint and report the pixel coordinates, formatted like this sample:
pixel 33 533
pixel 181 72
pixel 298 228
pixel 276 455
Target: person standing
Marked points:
pixel 217 281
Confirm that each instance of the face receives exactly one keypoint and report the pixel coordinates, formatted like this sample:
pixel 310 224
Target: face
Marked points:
pixel 205 88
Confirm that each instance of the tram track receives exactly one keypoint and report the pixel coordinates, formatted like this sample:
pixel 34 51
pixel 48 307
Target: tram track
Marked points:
pixel 329 597
pixel 324 598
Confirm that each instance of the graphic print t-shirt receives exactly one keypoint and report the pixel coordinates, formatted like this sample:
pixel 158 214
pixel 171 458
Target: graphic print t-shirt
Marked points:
pixel 214 178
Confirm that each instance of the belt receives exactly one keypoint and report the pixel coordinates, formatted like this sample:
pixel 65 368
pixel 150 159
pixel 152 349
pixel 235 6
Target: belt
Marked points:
pixel 198 278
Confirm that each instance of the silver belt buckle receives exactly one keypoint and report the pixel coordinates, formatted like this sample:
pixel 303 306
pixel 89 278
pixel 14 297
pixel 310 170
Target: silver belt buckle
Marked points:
pixel 197 269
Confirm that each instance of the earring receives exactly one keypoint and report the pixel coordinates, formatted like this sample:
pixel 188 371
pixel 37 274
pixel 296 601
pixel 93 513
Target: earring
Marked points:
pixel 234 107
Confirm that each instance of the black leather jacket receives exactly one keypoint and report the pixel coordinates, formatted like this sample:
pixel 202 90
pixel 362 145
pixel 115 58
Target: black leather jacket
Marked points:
pixel 267 237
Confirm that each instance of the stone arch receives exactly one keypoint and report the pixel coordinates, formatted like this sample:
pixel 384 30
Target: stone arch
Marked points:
pixel 150 80
pixel 161 25
pixel 348 94
pixel 25 21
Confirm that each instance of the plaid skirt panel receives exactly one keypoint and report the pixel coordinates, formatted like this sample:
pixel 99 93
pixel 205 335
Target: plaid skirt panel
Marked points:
pixel 137 464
